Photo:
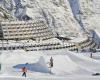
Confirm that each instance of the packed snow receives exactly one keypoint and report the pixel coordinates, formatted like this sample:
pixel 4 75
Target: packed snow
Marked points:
pixel 66 64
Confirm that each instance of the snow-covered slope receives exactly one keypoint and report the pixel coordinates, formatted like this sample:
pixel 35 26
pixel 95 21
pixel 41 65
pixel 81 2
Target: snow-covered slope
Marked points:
pixel 65 63
pixel 90 12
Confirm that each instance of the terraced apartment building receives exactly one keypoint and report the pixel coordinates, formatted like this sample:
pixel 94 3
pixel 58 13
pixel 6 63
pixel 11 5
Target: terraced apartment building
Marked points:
pixel 32 29
pixel 35 35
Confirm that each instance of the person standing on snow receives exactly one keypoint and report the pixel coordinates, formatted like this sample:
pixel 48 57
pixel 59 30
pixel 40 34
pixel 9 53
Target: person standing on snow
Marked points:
pixel 51 62
pixel 24 70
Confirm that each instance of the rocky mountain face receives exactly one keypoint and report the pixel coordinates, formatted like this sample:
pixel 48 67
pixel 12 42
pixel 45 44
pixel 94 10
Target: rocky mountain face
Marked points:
pixel 87 12
pixel 65 17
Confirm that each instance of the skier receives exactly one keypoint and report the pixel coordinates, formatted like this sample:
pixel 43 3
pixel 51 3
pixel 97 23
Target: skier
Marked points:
pixel 24 70
pixel 91 55
pixel 0 66
pixel 77 49
pixel 51 62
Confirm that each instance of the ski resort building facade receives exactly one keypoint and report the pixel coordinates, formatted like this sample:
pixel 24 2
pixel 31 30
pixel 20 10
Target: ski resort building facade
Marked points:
pixel 35 35
pixel 12 30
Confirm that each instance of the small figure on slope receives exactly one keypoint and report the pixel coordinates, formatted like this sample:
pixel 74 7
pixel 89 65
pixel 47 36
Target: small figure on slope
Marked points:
pixel 51 62
pixel 24 70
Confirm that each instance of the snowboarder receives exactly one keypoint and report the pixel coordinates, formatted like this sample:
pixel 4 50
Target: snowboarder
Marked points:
pixel 51 62
pixel 24 70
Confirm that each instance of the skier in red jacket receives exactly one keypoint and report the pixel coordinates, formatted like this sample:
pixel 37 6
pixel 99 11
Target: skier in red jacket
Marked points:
pixel 24 70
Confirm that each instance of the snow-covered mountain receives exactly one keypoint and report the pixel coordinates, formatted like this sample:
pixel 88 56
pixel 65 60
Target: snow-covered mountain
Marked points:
pixel 87 12
pixel 66 17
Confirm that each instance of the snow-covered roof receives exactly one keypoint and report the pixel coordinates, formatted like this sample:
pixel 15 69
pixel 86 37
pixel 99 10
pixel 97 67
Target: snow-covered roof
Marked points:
pixel 52 40
pixel 28 42
pixel 78 40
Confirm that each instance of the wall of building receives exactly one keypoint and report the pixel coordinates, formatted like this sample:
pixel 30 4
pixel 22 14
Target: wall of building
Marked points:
pixel 26 30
